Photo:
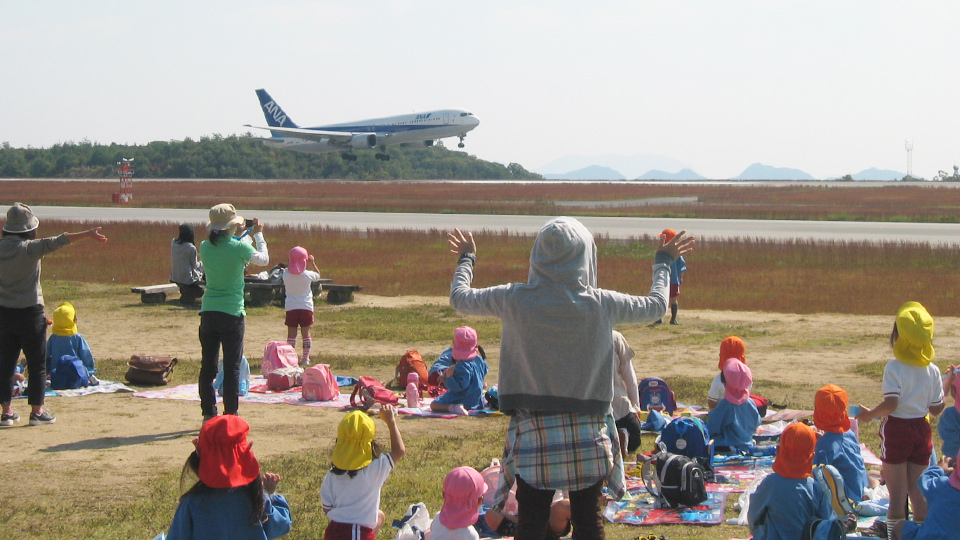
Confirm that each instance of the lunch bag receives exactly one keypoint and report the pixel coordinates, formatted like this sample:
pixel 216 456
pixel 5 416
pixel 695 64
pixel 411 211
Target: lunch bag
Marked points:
pixel 278 355
pixel 319 384
pixel 69 373
pixel 150 370
pixel 369 390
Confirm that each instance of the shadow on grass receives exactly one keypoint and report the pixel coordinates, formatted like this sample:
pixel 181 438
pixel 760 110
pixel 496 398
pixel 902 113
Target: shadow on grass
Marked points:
pixel 103 443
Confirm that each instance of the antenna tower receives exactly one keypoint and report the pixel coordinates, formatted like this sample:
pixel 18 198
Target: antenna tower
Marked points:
pixel 908 144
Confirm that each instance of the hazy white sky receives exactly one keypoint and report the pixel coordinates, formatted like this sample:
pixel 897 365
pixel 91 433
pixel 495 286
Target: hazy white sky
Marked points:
pixel 829 87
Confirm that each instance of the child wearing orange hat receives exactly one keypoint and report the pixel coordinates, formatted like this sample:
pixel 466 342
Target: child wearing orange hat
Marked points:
pixel 789 498
pixel 730 347
pixel 350 492
pixel 911 388
pixel 677 269
pixel 838 445
pixel 232 498
pixel 736 418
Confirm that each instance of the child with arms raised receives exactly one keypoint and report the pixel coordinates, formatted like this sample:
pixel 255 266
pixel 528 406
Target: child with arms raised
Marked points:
pixel 232 499
pixel 735 419
pixel 464 379
pixel 350 493
pixel 298 304
pixel 911 388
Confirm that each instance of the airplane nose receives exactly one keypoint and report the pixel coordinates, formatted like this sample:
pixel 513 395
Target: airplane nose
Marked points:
pixel 474 121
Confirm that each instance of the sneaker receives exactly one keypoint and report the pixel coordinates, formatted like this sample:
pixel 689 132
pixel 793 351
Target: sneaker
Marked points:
pixel 658 322
pixel 42 419
pixel 459 409
pixel 9 419
pixel 674 321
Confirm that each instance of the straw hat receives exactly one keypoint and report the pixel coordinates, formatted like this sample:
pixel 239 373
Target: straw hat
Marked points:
pixel 223 216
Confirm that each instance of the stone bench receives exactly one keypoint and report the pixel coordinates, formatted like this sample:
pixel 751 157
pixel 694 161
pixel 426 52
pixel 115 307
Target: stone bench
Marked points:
pixel 155 294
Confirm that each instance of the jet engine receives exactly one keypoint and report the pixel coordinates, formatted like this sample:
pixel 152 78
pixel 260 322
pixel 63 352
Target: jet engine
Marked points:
pixel 363 141
pixel 428 143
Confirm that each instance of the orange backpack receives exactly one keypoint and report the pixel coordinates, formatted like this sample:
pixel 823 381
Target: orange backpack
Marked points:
pixel 411 362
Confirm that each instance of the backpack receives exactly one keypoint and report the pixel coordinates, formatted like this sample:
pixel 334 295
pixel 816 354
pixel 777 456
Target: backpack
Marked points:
pixel 687 436
pixel 677 480
pixel 762 403
pixel 656 395
pixel 69 373
pixel 284 378
pixel 824 529
pixel 319 384
pixel 369 390
pixel 830 481
pixel 278 355
pixel 412 362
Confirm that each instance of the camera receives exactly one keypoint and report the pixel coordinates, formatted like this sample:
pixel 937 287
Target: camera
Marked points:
pixel 249 223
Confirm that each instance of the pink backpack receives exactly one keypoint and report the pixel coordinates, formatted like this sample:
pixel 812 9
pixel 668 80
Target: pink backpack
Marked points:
pixel 319 384
pixel 370 390
pixel 278 355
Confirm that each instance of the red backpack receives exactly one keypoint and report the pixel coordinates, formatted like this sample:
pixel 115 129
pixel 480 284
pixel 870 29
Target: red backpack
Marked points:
pixel 411 362
pixel 369 390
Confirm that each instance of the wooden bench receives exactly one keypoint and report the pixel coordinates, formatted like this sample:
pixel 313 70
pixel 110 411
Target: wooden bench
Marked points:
pixel 155 294
pixel 263 293
pixel 340 294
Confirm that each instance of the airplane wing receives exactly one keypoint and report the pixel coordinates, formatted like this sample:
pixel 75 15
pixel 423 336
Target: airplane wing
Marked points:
pixel 341 137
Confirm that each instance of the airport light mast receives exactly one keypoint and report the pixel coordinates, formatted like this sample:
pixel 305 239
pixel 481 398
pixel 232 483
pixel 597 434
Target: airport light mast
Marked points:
pixel 125 171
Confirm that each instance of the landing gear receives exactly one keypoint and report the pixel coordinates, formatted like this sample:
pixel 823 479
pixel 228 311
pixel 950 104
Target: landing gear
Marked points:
pixel 383 156
pixel 348 156
pixel 461 145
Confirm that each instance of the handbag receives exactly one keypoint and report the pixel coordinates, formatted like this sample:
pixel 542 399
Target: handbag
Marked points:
pixel 150 370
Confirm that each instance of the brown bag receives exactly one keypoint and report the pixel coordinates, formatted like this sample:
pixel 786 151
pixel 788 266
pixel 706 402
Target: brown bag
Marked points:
pixel 150 370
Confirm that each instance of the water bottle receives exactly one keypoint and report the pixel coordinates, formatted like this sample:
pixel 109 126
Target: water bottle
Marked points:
pixel 414 378
pixel 413 394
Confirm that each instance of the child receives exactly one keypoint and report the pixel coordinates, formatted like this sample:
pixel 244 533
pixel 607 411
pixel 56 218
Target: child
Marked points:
pixel 940 486
pixel 464 379
pixel 949 424
pixel 463 490
pixel 557 369
pixel 232 498
pixel 350 493
pixel 677 269
pixel 838 445
pixel 23 326
pixel 788 499
pixel 730 347
pixel 626 396
pixel 911 388
pixel 735 419
pixel 299 301
pixel 66 340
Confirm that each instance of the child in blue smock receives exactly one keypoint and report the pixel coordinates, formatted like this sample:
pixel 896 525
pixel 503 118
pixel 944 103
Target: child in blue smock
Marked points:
pixel 789 498
pixel 949 424
pixel 464 379
pixel 941 488
pixel 736 418
pixel 838 445
pixel 66 340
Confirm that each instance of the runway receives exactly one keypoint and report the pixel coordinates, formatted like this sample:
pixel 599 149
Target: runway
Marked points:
pixel 613 227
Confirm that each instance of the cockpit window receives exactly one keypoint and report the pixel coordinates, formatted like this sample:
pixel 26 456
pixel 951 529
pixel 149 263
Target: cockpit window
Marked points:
pixel 466 114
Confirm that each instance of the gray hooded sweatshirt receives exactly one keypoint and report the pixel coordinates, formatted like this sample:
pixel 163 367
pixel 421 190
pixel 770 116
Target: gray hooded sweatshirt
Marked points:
pixel 556 350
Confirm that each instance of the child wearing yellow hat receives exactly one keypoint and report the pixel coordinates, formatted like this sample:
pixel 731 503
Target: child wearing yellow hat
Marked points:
pixel 911 389
pixel 350 493
pixel 65 339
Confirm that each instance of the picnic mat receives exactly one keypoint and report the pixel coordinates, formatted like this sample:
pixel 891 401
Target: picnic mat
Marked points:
pixel 638 508
pixel 258 394
pixel 105 387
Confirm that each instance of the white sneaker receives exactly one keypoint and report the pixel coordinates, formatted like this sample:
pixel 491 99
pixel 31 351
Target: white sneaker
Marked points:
pixel 459 409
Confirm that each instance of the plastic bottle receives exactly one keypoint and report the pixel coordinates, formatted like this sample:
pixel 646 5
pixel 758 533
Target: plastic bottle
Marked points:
pixel 413 395
pixel 414 378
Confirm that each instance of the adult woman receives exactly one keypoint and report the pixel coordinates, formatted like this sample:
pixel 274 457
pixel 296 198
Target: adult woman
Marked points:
pixel 185 267
pixel 222 310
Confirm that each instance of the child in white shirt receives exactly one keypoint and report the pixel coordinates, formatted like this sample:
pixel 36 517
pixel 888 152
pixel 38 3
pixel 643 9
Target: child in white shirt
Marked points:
pixel 299 300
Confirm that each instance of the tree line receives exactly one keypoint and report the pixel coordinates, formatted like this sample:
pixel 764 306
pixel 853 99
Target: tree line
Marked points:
pixel 237 156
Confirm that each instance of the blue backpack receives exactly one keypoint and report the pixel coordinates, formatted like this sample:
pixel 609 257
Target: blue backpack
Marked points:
pixel 689 437
pixel 656 395
pixel 69 373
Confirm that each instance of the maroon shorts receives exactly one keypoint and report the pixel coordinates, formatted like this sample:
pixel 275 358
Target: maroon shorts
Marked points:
pixel 347 531
pixel 674 290
pixel 903 440
pixel 299 317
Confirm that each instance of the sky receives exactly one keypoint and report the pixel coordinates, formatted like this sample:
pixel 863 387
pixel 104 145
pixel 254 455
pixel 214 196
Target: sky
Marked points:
pixel 827 87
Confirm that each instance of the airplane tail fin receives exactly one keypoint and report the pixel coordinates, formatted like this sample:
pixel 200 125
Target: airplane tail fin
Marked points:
pixel 273 113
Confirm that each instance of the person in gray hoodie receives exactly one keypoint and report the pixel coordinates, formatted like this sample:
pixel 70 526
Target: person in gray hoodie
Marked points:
pixel 557 369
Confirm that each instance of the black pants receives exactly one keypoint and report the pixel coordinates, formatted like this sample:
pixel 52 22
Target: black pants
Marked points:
pixel 23 329
pixel 218 329
pixel 534 512
pixel 632 424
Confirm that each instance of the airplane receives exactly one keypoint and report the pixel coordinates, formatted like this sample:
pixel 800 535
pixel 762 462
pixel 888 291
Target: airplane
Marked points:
pixel 422 129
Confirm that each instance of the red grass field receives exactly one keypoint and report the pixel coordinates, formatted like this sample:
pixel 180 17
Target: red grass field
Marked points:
pixel 791 277
pixel 840 201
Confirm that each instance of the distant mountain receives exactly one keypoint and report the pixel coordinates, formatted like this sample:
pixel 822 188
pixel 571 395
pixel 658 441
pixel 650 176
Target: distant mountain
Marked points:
pixel 593 172
pixel 628 166
pixel 878 174
pixel 685 174
pixel 759 171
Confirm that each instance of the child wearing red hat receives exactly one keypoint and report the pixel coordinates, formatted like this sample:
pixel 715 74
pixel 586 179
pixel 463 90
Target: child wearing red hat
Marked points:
pixel 677 269
pixel 232 499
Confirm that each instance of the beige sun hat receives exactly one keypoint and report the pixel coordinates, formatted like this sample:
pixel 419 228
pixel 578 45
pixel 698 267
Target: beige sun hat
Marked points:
pixel 20 219
pixel 223 216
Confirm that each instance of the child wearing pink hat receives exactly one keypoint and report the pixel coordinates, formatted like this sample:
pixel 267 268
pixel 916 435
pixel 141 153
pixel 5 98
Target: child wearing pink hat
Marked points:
pixel 232 498
pixel 299 300
pixel 463 491
pixel 735 419
pixel 464 379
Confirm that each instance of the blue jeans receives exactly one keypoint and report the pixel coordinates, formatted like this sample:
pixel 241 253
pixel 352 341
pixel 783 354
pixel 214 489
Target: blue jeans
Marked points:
pixel 23 329
pixel 218 329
